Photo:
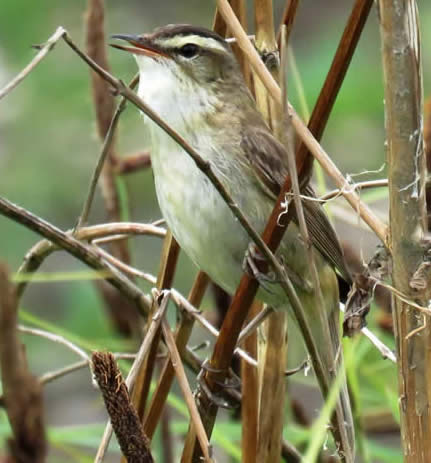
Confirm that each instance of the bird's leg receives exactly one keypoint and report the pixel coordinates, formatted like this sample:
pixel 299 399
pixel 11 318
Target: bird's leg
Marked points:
pixel 233 382
pixel 255 265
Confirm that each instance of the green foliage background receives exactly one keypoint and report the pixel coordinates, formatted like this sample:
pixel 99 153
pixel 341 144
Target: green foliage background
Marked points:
pixel 48 147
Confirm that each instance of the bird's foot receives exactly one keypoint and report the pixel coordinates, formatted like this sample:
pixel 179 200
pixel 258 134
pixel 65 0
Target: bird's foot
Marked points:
pixel 255 265
pixel 231 382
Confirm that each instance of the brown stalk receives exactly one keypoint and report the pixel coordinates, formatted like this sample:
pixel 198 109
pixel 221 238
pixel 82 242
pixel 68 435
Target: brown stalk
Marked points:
pixel 288 18
pixel 272 346
pixel 134 444
pixel 168 262
pixel 122 313
pixel 272 364
pixel 250 396
pixel 167 374
pixel 427 132
pixel 22 391
pixel 166 436
pixel 406 162
pixel 187 393
pixel 334 79
pixel 427 141
pixel 267 46
pixel 219 26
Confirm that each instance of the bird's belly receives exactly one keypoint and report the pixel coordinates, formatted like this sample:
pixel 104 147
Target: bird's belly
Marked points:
pixel 199 219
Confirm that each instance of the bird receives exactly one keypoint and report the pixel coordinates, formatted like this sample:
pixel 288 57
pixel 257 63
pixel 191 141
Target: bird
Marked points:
pixel 189 76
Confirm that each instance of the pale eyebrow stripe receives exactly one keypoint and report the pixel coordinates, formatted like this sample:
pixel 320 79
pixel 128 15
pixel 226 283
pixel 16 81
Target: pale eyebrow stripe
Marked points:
pixel 206 42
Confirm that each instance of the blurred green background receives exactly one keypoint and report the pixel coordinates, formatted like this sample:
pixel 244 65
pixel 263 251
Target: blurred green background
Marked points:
pixel 49 146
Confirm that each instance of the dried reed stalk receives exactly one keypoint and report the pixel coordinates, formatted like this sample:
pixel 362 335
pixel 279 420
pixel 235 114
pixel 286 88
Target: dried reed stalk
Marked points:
pixel 406 164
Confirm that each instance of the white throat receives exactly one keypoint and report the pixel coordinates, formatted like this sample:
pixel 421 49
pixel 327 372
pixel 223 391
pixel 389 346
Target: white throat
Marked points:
pixel 174 96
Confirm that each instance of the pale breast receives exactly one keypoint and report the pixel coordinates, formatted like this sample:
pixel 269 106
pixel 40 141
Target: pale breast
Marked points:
pixel 200 220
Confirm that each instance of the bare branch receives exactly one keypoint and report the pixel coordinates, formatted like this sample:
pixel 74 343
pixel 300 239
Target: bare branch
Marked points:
pixel 55 338
pixel 44 50
pixel 82 252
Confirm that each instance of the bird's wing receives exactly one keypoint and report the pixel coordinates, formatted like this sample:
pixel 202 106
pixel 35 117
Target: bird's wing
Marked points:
pixel 268 159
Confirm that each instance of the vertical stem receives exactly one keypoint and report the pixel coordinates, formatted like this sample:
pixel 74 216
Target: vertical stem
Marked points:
pixel 219 26
pixel 272 364
pixel 169 258
pixel 250 396
pixel 404 122
pixel 182 336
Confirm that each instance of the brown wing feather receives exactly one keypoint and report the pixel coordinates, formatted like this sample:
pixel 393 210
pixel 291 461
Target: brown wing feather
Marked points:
pixel 269 161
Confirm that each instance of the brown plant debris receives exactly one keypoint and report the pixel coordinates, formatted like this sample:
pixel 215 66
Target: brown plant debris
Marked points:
pixel 362 292
pixel 22 391
pixel 125 422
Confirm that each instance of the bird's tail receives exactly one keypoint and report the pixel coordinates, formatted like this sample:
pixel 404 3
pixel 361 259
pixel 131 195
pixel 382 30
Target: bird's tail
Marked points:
pixel 331 357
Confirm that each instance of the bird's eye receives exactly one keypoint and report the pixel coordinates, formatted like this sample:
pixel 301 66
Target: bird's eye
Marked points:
pixel 189 50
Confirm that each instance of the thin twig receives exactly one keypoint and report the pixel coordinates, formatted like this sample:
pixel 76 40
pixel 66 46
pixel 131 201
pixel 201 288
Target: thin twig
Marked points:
pixel 168 261
pixel 53 375
pixel 50 376
pixel 41 250
pixel 55 338
pixel 181 302
pixel 106 148
pixel 187 393
pixel 44 50
pixel 356 186
pixel 79 250
pixel 182 336
pixel 254 323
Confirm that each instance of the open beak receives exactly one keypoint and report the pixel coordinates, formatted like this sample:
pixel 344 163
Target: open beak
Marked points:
pixel 139 46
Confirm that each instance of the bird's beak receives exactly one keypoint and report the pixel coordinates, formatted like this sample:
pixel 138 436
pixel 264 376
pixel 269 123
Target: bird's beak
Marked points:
pixel 140 45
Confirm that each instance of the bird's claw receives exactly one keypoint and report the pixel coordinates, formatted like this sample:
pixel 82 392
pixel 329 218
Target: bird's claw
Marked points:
pixel 252 261
pixel 232 382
